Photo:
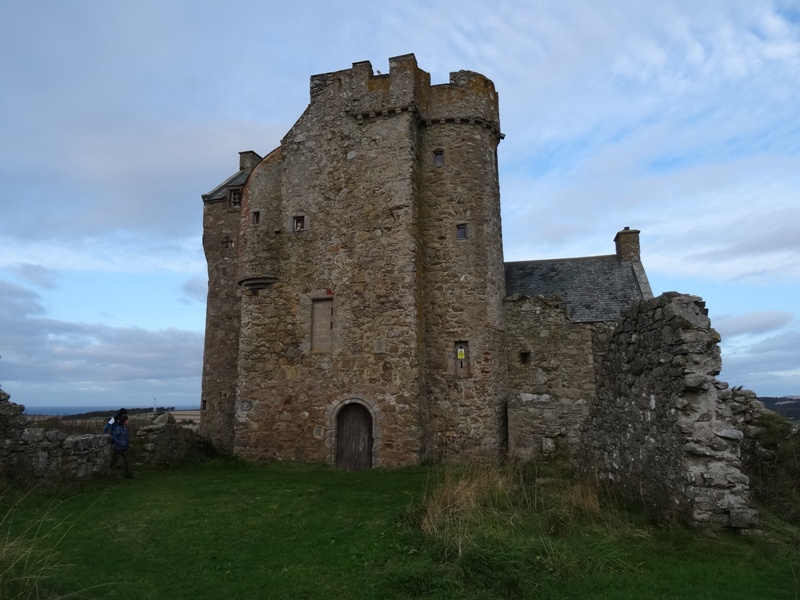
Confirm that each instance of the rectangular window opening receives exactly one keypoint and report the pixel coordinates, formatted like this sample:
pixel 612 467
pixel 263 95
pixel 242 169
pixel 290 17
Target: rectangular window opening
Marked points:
pixel 461 231
pixel 255 217
pixel 299 223
pixel 235 198
pixel 322 315
pixel 525 357
pixel 438 158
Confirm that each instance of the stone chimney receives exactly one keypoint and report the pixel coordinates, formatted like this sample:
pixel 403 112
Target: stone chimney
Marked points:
pixel 627 242
pixel 248 160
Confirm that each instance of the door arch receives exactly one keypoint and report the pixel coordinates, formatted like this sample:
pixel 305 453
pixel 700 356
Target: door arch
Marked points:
pixel 354 438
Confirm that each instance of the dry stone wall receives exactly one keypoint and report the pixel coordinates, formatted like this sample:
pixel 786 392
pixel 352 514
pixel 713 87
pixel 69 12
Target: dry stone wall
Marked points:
pixel 29 451
pixel 661 428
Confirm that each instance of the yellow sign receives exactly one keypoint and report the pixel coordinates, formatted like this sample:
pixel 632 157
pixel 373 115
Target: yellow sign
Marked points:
pixel 461 354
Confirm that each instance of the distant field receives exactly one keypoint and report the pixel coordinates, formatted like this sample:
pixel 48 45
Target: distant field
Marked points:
pixel 788 407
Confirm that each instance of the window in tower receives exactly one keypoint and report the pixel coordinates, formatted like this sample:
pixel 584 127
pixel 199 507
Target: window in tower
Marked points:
pixel 438 158
pixel 461 358
pixel 322 315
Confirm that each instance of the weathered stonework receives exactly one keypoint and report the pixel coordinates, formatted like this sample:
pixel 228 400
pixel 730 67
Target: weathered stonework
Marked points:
pixel 354 208
pixel 661 427
pixel 551 376
pixel 357 284
pixel 31 452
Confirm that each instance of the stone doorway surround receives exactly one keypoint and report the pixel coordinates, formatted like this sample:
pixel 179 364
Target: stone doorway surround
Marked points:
pixel 331 417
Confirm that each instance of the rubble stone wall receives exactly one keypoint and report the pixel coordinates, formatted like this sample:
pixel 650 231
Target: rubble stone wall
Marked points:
pixel 551 376
pixel 28 451
pixel 661 428
pixel 31 452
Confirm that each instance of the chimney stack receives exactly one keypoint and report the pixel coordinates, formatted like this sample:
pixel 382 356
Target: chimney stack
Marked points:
pixel 248 160
pixel 627 242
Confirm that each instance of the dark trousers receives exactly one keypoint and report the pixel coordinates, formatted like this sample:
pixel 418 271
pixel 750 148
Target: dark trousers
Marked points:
pixel 126 463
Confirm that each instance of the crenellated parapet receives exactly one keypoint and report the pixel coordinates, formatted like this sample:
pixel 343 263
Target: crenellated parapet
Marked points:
pixel 469 98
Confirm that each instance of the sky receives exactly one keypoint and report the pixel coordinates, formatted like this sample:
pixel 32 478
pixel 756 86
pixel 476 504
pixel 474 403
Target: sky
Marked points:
pixel 677 118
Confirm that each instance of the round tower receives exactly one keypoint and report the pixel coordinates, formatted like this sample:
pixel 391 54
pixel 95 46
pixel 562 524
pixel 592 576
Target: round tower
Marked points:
pixel 463 278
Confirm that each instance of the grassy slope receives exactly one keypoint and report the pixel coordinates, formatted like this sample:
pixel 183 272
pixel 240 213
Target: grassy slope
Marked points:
pixel 230 529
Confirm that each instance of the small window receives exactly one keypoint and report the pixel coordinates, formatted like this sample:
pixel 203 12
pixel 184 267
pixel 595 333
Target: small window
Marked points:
pixel 255 217
pixel 438 158
pixel 299 223
pixel 235 198
pixel 227 243
pixel 461 356
pixel 461 231
pixel 524 358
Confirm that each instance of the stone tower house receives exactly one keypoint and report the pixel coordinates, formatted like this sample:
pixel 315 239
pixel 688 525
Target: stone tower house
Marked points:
pixel 356 278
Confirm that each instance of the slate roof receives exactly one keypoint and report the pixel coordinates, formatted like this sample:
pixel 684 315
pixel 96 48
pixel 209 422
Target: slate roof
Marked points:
pixel 593 289
pixel 220 192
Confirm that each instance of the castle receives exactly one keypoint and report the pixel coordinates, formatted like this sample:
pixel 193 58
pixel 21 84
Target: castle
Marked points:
pixel 359 309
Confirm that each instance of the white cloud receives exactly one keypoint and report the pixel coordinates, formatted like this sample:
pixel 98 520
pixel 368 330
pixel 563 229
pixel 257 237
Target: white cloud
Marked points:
pixel 678 118
pixel 751 323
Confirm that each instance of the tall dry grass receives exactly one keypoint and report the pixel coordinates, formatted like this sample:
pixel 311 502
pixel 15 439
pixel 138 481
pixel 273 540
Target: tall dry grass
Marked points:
pixel 469 501
pixel 506 527
pixel 30 560
pixel 28 557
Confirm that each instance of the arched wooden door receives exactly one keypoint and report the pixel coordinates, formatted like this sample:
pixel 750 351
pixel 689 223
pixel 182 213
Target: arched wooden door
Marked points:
pixel 354 438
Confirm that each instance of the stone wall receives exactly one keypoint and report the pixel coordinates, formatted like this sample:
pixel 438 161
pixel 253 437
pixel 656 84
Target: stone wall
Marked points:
pixel 28 451
pixel 661 428
pixel 360 207
pixel 551 376
pixel 166 443
pixel 463 280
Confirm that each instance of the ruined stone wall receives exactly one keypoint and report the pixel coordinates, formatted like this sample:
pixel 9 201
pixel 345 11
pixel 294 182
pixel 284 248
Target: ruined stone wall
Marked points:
pixel 30 451
pixel 551 376
pixel 661 427
pixel 167 443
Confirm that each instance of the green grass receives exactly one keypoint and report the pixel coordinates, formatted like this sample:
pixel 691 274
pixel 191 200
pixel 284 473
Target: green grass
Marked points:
pixel 229 529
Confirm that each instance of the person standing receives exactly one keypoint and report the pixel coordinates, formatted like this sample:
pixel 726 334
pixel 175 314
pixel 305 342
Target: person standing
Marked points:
pixel 120 443
pixel 114 419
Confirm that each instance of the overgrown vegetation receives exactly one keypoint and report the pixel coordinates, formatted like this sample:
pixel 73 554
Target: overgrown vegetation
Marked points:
pixel 774 468
pixel 231 528
pixel 30 558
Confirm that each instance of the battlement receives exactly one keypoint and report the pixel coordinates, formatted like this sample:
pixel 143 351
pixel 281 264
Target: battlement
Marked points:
pixel 469 97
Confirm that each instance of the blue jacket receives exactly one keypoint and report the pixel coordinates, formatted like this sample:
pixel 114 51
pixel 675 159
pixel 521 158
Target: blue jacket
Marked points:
pixel 119 437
